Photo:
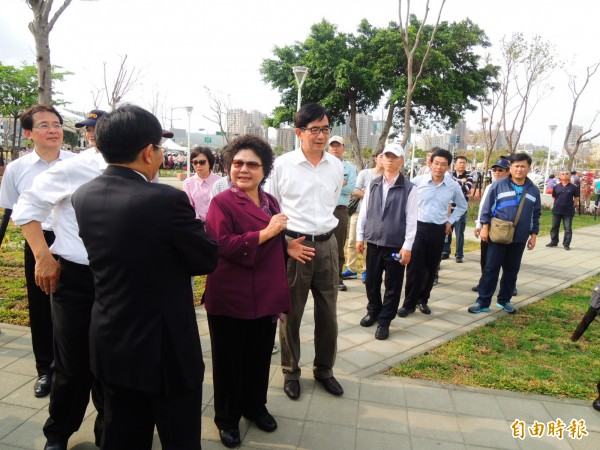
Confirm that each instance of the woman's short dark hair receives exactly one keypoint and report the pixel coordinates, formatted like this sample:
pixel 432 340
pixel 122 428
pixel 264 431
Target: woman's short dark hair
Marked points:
pixel 310 112
pixel 26 117
pixel 442 153
pixel 257 145
pixel 123 133
pixel 206 152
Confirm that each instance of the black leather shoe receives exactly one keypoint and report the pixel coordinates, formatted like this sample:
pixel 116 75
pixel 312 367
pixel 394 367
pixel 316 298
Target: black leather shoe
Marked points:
pixel 368 320
pixel 475 288
pixel 265 422
pixel 424 309
pixel 292 389
pixel 445 256
pixel 459 259
pixel 596 404
pixel 551 245
pixel 55 446
pixel 331 385
pixel 403 312
pixel 41 388
pixel 515 292
pixel 567 247
pixel 230 438
pixel 382 332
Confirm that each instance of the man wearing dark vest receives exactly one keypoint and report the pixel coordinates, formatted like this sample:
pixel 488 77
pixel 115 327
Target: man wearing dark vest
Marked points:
pixel 388 223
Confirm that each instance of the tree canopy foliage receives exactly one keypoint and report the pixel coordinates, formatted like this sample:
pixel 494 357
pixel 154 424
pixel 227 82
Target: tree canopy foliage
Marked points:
pixel 355 73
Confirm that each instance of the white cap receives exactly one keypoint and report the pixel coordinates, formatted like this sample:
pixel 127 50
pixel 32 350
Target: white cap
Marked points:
pixel 394 148
pixel 338 139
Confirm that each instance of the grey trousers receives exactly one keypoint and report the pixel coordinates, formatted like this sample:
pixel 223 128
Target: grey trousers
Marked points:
pixel 320 276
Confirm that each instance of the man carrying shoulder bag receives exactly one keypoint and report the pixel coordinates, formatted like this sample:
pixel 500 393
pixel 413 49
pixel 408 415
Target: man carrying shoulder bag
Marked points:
pixel 507 197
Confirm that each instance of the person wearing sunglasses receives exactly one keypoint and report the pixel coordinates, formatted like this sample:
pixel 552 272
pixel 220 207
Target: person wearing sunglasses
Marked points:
pixel 248 291
pixel 198 187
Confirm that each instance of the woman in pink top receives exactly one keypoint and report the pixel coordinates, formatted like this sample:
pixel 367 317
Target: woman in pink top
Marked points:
pixel 198 187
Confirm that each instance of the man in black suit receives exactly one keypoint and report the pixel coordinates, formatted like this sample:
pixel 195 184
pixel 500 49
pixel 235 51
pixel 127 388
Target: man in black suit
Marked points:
pixel 144 341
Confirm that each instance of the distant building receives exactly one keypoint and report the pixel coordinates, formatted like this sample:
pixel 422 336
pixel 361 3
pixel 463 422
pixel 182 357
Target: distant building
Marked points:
pixel 285 138
pixel 576 132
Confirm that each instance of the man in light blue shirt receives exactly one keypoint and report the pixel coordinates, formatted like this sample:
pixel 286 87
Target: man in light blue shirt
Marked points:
pixel 435 191
pixel 337 149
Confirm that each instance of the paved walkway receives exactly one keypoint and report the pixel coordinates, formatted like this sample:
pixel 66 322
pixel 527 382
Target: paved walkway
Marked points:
pixel 376 412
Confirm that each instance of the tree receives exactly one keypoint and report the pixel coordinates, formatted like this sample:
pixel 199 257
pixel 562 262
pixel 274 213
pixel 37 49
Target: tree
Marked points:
pixel 343 75
pixel 40 27
pixel 585 136
pixel 526 67
pixel 124 82
pixel 219 108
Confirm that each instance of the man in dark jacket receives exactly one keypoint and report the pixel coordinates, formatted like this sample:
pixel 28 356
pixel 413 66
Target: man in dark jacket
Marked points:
pixel 388 223
pixel 566 199
pixel 503 202
pixel 144 341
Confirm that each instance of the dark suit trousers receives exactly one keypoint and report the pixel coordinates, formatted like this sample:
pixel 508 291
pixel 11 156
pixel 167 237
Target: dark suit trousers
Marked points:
pixel 40 315
pixel 72 379
pixel 425 259
pixel 130 417
pixel 241 356
pixel 341 233
pixel 379 259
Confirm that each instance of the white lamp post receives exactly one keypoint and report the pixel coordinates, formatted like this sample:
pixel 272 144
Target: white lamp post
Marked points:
pixel 552 128
pixel 189 110
pixel 300 73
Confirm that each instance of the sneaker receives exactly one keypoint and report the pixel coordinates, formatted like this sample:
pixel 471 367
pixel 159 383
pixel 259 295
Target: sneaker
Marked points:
pixel 342 286
pixel 477 308
pixel 349 275
pixel 508 307
pixel 445 256
pixel 567 247
pixel 551 245
pixel 364 277
pixel 459 259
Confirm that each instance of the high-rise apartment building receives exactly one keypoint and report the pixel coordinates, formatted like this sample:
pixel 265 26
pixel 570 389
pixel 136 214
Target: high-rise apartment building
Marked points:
pixel 285 138
pixel 576 132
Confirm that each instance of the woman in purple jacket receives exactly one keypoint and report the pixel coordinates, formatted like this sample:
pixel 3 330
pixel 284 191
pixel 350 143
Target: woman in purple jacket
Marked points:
pixel 248 291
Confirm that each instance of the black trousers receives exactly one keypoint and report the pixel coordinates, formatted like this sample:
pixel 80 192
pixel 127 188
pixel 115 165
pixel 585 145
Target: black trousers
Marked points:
pixel 40 314
pixel 130 417
pixel 380 259
pixel 424 261
pixel 341 232
pixel 241 356
pixel 72 379
pixel 483 246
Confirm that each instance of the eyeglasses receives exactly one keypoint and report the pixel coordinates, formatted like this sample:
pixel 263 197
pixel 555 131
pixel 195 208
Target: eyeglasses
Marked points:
pixel 158 147
pixel 47 126
pixel 251 165
pixel 201 162
pixel 495 169
pixel 317 130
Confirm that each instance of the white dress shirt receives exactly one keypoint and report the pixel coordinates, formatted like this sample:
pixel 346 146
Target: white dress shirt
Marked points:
pixel 307 194
pixel 412 204
pixel 50 195
pixel 19 176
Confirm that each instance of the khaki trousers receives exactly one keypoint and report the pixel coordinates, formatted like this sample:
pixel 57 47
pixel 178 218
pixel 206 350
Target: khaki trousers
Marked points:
pixel 320 276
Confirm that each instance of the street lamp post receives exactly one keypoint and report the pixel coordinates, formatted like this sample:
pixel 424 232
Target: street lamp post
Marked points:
pixel 552 128
pixel 300 73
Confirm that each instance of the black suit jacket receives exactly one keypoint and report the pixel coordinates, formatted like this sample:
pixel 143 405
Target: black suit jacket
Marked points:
pixel 143 243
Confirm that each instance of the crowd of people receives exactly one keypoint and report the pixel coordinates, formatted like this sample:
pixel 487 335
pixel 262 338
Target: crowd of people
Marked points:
pixel 102 236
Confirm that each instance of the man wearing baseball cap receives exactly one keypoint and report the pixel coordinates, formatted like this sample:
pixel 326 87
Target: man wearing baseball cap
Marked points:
pixel 387 221
pixel 499 170
pixel 337 149
pixel 90 125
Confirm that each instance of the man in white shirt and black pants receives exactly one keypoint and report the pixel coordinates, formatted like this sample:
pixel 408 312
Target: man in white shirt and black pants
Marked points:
pixel 43 125
pixel 62 271
pixel 307 184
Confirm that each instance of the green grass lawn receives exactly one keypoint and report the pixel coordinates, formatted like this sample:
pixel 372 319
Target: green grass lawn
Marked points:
pixel 528 352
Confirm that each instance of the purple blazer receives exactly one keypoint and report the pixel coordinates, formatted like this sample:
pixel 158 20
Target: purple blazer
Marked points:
pixel 250 280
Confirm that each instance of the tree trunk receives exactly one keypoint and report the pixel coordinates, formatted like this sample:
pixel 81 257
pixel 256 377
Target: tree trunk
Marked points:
pixel 42 49
pixel 358 161
pixel 386 128
pixel 15 148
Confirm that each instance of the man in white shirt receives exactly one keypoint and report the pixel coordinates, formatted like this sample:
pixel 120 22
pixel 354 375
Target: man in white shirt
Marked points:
pixel 388 223
pixel 62 271
pixel 307 183
pixel 43 125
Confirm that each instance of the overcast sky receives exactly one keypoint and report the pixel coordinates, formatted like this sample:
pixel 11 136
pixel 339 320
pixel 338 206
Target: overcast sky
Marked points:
pixel 183 45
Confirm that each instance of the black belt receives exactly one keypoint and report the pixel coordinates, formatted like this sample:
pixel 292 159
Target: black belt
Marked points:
pixel 310 237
